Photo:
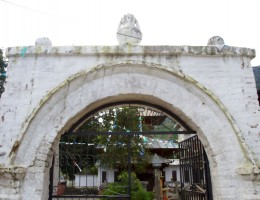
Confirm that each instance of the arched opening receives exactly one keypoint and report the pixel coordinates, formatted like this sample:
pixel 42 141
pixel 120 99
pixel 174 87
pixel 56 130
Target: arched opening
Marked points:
pixel 174 92
pixel 112 147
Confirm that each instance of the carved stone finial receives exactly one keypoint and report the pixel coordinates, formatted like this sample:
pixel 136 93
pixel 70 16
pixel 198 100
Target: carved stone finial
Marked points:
pixel 128 31
pixel 215 40
pixel 43 41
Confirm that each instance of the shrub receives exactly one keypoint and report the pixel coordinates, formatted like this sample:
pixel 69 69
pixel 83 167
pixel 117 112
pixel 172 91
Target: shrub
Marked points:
pixel 137 190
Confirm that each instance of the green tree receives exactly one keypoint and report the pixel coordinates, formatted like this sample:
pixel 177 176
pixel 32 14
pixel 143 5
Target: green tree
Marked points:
pixel 137 190
pixel 77 155
pixel 80 153
pixel 115 146
pixel 106 135
pixel 3 66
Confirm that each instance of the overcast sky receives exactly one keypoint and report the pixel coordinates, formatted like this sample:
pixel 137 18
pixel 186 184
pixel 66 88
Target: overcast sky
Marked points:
pixel 162 22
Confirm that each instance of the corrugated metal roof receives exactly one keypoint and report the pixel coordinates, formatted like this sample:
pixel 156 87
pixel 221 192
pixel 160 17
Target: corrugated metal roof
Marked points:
pixel 156 159
pixel 162 144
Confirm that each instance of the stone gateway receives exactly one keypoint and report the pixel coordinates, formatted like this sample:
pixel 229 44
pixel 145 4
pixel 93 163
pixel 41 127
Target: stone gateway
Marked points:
pixel 211 88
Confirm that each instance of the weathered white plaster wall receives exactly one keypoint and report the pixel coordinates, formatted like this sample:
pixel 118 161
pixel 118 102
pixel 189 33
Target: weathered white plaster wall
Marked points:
pixel 82 180
pixel 50 88
pixel 168 172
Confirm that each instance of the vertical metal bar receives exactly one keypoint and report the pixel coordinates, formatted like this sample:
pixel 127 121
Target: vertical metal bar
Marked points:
pixel 60 161
pixel 74 158
pixel 181 165
pixel 209 195
pixel 129 164
pixel 191 158
pixel 51 178
pixel 67 157
pixel 80 153
pixel 87 160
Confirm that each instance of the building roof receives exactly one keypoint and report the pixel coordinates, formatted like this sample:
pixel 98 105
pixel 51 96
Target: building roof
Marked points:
pixel 155 143
pixel 158 160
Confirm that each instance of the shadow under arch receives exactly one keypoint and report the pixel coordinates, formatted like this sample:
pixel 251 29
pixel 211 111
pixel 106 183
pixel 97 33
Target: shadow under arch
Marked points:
pixel 152 83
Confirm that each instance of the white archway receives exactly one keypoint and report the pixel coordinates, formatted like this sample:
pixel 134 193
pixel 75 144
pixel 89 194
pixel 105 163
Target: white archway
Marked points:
pixel 149 83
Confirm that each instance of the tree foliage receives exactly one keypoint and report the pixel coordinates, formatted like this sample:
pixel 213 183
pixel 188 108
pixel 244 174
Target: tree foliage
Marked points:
pixel 77 155
pixel 137 190
pixel 3 66
pixel 115 146
pixel 104 139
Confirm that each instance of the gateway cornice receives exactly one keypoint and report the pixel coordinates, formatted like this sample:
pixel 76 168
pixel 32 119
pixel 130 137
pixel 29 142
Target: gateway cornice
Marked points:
pixel 128 50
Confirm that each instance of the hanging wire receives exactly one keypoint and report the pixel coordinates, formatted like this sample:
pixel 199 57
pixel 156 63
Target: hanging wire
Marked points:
pixel 24 7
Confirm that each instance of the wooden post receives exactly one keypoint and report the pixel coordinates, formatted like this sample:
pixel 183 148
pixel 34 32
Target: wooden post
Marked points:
pixel 157 185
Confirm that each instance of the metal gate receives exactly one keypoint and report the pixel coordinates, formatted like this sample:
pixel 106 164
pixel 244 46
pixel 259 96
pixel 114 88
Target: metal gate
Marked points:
pixel 194 171
pixel 76 172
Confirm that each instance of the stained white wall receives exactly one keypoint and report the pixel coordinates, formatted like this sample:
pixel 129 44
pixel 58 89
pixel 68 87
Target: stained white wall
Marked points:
pixel 168 172
pixel 49 88
pixel 82 180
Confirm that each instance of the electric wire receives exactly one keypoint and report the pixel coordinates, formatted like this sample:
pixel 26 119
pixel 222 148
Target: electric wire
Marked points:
pixel 24 7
